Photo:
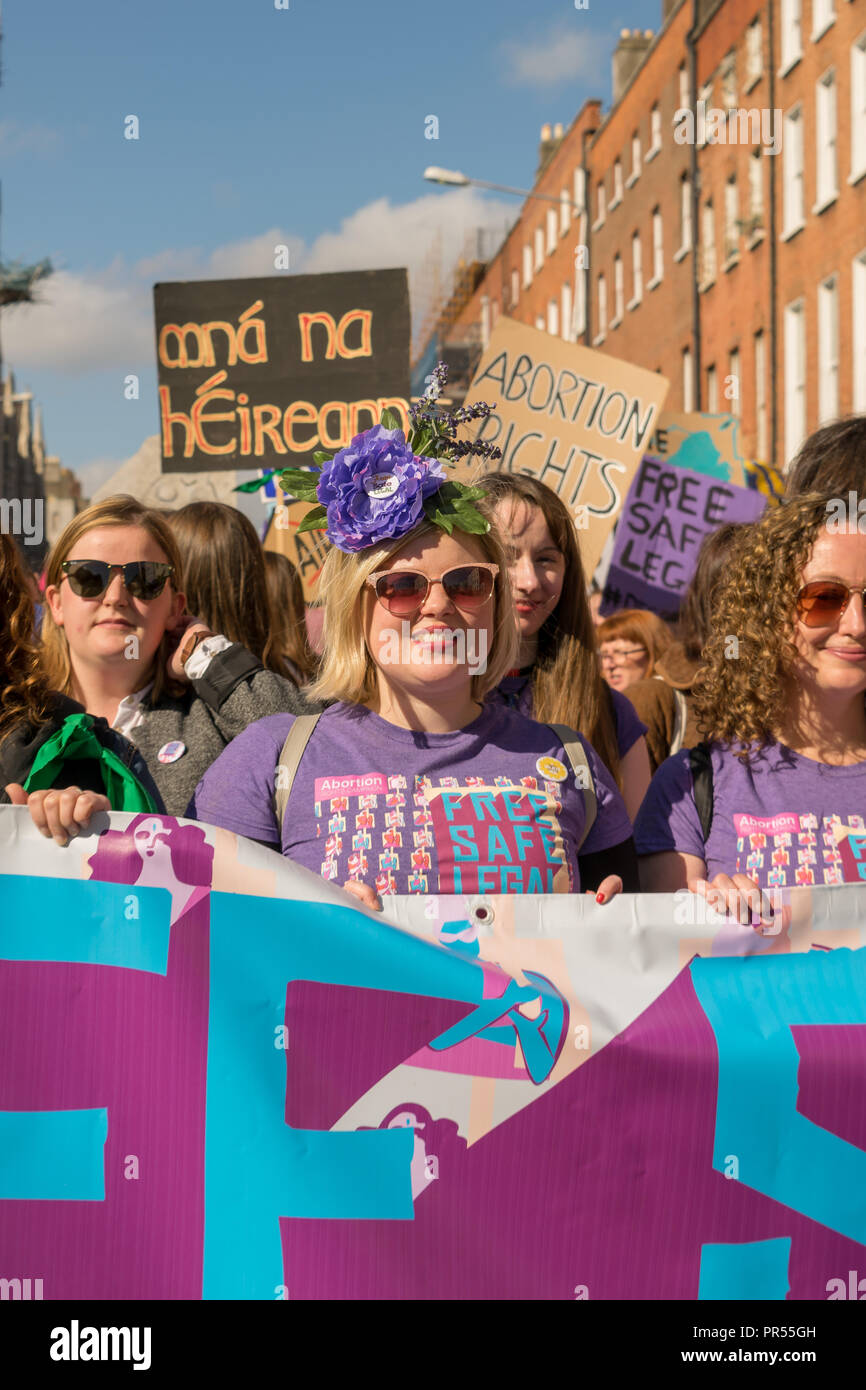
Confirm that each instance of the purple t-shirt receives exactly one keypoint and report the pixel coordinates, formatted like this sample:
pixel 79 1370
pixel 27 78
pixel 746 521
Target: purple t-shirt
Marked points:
pixel 516 691
pixel 784 820
pixel 491 808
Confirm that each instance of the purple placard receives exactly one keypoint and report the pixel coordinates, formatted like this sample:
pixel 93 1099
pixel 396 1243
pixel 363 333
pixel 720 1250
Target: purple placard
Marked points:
pixel 667 513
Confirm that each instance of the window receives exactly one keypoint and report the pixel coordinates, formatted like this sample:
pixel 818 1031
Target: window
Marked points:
pixel 539 247
pixel 712 391
pixel 580 188
pixel 580 284
pixel 828 350
pixel 617 184
pixel 826 174
pixel 792 41
pixel 684 87
pixel 636 271
pixel 795 378
pixel 858 314
pixel 618 289
pixel 754 54
pixel 601 205
pixel 494 312
pixel 553 318
pixel 552 233
pixel 564 212
pixel 635 156
pixel 567 312
pixel 823 15
pixel 708 241
pixel 658 247
pixel 761 434
pixel 685 213
pixel 756 189
pixel 527 266
pixel 732 385
pixel 515 287
pixel 858 108
pixel 485 320
pixel 706 96
pixel 729 79
pixel 688 381
pixel 732 213
pixel 655 132
pixel 602 309
pixel 540 323
pixel 793 200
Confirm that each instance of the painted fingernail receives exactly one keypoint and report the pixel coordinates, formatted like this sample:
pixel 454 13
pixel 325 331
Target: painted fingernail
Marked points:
pixel 599 897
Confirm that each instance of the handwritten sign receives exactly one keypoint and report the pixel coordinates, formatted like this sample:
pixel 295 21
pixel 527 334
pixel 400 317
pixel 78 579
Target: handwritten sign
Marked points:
pixel 267 371
pixel 306 551
pixel 667 514
pixel 576 419
pixel 700 441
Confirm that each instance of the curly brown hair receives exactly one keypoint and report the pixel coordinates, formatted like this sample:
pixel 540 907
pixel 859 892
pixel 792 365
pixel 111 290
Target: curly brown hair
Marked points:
pixel 24 689
pixel 742 692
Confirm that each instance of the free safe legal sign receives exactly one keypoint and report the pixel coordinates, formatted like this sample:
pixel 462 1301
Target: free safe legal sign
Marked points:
pixel 267 371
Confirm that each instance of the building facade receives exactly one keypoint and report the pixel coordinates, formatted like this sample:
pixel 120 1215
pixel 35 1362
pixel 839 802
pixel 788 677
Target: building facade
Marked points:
pixel 712 225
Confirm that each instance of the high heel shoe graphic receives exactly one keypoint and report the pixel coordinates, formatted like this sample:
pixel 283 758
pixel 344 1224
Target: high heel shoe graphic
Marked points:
pixel 541 1039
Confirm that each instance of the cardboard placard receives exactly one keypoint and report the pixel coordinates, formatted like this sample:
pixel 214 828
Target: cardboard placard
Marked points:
pixel 306 551
pixel 703 442
pixel 266 371
pixel 577 419
pixel 668 512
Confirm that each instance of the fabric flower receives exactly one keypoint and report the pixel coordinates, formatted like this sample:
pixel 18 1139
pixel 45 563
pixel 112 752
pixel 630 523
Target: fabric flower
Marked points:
pixel 374 489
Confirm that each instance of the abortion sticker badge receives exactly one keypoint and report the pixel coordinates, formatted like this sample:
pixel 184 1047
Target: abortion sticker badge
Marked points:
pixel 552 769
pixel 170 752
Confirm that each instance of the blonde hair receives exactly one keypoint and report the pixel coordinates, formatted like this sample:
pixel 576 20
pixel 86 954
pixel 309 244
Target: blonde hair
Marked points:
pixel 348 671
pixel 120 510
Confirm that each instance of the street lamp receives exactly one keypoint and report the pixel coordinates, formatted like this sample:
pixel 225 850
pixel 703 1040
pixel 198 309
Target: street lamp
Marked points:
pixel 434 174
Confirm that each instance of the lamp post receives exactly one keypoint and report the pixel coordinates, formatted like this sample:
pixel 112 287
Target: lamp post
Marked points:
pixel 433 174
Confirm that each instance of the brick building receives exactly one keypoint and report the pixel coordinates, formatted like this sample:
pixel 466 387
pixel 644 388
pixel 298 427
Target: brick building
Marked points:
pixel 712 224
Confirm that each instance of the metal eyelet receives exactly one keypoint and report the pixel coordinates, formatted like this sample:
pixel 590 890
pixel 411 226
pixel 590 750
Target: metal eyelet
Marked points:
pixel 482 914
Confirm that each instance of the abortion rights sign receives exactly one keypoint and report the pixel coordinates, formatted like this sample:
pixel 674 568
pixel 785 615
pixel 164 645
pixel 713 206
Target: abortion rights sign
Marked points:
pixel 668 512
pixel 576 419
pixel 268 371
pixel 219 1079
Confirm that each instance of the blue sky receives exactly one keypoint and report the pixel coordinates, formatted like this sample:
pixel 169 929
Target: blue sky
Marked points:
pixel 256 126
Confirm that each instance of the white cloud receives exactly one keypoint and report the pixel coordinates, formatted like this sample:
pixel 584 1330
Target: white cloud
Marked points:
pixel 567 53
pixel 92 320
pixel 18 139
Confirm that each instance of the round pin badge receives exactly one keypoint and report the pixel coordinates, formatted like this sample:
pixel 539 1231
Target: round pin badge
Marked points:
pixel 552 769
pixel 381 485
pixel 170 752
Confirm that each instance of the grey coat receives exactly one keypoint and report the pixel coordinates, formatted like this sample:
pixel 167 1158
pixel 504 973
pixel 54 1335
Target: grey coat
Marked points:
pixel 234 691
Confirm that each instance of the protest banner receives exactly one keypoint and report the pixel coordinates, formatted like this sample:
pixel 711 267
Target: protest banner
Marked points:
pixel 306 551
pixel 668 512
pixel 577 419
pixel 219 1079
pixel 700 441
pixel 267 371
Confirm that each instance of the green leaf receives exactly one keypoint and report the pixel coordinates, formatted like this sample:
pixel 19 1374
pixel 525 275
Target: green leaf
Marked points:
pixel 470 519
pixel 391 420
pixel 255 483
pixel 316 520
pixel 470 494
pixel 321 457
pixel 445 519
pixel 299 483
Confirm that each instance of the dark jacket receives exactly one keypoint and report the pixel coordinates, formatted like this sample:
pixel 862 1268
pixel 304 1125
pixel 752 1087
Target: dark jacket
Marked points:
pixel 18 751
pixel 235 691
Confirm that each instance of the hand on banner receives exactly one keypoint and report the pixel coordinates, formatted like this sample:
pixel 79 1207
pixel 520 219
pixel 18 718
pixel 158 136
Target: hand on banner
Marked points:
pixel 364 893
pixel 607 889
pixel 59 813
pixel 181 646
pixel 739 897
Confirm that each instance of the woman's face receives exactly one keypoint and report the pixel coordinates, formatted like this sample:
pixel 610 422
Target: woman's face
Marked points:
pixel 623 662
pixel 536 565
pixel 114 627
pixel 440 646
pixel 832 657
pixel 149 836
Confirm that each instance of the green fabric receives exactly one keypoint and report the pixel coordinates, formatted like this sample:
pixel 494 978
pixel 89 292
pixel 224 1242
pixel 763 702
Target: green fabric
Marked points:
pixel 74 740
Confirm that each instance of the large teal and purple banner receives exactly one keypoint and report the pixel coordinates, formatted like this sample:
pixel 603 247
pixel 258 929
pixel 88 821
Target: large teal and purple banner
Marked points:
pixel 220 1080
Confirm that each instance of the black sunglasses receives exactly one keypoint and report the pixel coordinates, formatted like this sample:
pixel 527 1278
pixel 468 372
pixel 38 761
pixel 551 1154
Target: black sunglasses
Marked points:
pixel 143 579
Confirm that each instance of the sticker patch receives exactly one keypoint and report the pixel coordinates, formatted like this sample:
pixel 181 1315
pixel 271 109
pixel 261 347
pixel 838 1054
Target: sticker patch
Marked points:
pixel 552 768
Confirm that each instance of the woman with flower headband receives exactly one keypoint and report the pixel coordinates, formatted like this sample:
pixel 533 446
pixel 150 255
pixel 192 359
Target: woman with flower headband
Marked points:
pixel 776 798
pixel 410 782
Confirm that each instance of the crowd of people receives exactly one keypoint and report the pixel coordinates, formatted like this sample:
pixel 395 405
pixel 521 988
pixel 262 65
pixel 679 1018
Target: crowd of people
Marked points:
pixel 469 722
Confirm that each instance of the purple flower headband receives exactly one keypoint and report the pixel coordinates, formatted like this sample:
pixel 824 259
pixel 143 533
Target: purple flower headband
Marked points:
pixel 382 484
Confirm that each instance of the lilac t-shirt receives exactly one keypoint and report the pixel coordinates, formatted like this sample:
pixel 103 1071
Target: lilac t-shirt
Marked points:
pixel 516 691
pixel 491 808
pixel 784 820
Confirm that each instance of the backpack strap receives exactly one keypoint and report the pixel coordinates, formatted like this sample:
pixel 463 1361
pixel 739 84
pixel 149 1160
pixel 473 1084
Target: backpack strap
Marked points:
pixel 702 782
pixel 576 754
pixel 290 756
pixel 682 715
